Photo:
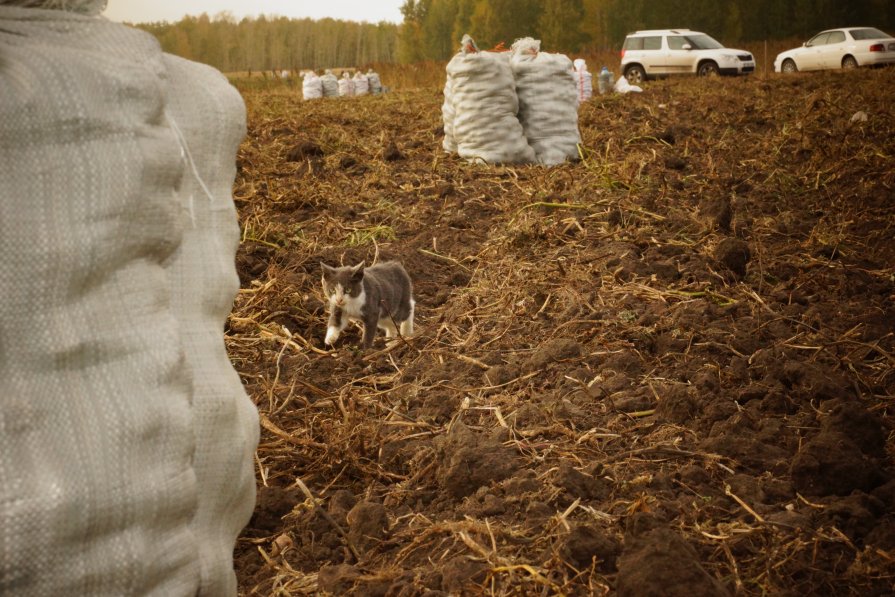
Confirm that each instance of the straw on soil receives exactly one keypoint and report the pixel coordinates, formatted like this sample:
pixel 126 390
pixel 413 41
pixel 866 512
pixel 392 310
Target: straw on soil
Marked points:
pixel 588 375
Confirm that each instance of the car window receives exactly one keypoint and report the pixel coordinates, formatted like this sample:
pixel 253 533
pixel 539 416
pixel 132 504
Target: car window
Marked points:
pixel 868 33
pixel 676 42
pixel 633 43
pixel 652 43
pixel 836 37
pixel 819 39
pixel 703 42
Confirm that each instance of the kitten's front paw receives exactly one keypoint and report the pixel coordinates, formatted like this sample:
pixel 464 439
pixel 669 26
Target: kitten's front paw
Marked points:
pixel 332 334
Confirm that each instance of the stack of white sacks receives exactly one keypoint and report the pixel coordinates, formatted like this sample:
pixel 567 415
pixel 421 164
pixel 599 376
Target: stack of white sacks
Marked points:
pixel 511 107
pixel 314 87
pixel 482 106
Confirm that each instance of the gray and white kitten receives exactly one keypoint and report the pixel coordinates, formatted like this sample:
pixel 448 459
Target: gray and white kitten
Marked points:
pixel 380 296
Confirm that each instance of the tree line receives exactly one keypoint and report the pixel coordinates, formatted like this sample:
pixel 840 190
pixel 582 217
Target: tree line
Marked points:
pixel 432 29
pixel 276 43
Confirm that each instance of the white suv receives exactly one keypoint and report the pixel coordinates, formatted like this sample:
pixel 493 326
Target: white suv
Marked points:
pixel 663 52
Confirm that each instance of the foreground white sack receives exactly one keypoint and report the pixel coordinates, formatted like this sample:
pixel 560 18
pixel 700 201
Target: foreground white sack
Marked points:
pixel 125 436
pixel 483 93
pixel 210 115
pixel 548 101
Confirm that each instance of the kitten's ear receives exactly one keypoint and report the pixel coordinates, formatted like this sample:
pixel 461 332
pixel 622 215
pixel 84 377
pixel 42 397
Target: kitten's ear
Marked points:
pixel 357 272
pixel 327 271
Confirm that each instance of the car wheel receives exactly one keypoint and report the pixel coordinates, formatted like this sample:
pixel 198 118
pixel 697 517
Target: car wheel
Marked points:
pixel 635 74
pixel 708 69
pixel 789 66
pixel 849 63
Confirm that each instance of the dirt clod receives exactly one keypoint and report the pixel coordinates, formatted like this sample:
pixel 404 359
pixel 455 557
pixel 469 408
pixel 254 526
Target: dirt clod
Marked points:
pixel 272 504
pixel 391 153
pixel 460 575
pixel 578 484
pixel 661 564
pixel 444 189
pixel 859 424
pixel 338 579
pixel 304 150
pixel 718 212
pixel 734 254
pixel 367 524
pixel 675 163
pixel 832 464
pixel 585 544
pixel 470 461
pixel 554 350
pixel 340 503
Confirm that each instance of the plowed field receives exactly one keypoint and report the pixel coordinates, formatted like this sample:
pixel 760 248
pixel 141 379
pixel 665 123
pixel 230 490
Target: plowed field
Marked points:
pixel 665 369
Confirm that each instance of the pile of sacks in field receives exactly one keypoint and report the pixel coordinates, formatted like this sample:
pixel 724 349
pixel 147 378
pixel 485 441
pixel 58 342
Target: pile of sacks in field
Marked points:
pixel 314 87
pixel 585 85
pixel 511 107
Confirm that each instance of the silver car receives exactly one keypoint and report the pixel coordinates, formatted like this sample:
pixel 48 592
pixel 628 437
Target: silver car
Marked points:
pixel 850 47
pixel 664 52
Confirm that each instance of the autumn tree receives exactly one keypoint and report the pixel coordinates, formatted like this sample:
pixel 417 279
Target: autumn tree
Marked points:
pixel 410 38
pixel 559 25
pixel 437 29
pixel 268 43
pixel 432 29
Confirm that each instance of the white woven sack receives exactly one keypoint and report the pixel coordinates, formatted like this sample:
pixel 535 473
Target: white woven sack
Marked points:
pixel 346 86
pixel 84 7
pixel 116 266
pixel 485 106
pixel 584 81
pixel 623 86
pixel 361 84
pixel 548 101
pixel 449 143
pixel 311 86
pixel 210 115
pixel 375 82
pixel 330 84
pixel 97 488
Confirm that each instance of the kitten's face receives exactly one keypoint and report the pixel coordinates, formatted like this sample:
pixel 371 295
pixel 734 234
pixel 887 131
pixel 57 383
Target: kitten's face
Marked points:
pixel 342 284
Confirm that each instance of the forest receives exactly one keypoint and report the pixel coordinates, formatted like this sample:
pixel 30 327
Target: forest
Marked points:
pixel 431 29
pixel 276 43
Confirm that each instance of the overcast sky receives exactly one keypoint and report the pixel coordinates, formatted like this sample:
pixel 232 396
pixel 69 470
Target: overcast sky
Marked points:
pixel 373 11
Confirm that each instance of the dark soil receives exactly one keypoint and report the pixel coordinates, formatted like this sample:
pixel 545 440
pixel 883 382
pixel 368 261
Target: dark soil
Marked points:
pixel 665 369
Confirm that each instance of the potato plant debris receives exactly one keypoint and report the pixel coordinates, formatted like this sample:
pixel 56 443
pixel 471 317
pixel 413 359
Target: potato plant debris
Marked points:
pixel 664 369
